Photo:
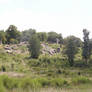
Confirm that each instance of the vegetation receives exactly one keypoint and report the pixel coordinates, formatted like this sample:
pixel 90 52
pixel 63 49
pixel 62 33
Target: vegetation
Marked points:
pixel 42 36
pixel 86 50
pixel 53 36
pixel 38 61
pixel 71 49
pixel 28 83
pixel 26 34
pixel 12 34
pixel 34 46
pixel 2 37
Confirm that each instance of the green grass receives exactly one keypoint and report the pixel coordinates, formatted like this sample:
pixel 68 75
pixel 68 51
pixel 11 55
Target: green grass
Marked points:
pixel 35 84
pixel 45 74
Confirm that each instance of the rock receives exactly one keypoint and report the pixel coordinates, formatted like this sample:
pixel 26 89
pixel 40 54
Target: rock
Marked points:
pixel 58 50
pixel 9 51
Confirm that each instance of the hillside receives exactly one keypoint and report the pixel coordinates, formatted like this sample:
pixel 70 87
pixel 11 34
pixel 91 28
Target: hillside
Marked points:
pixel 51 69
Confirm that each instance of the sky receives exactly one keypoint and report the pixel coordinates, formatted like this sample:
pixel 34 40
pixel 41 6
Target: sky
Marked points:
pixel 68 17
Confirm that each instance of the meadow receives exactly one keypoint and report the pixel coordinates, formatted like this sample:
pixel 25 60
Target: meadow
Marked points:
pixel 19 73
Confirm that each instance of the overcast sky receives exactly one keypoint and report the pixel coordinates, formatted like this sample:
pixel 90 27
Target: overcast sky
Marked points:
pixel 68 17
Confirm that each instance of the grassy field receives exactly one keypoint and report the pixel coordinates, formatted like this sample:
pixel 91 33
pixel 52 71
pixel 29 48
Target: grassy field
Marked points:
pixel 40 84
pixel 19 73
pixel 54 90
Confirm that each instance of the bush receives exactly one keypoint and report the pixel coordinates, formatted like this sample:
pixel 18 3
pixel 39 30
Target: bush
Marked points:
pixel 2 88
pixel 28 83
pixel 58 82
pixel 13 41
pixel 34 46
pixel 33 62
pixel 80 80
pixel 44 82
pixel 45 59
pixel 9 83
pixel 50 59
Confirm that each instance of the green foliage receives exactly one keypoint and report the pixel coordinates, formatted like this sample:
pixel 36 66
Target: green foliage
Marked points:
pixel 52 36
pixel 44 82
pixel 71 49
pixel 54 46
pixel 9 83
pixel 80 80
pixel 42 36
pixel 86 48
pixel 13 41
pixel 34 46
pixel 77 41
pixel 33 62
pixel 26 34
pixel 58 82
pixel 2 36
pixel 28 83
pixel 2 88
pixel 51 60
pixel 12 33
pixel 45 70
pixel 90 46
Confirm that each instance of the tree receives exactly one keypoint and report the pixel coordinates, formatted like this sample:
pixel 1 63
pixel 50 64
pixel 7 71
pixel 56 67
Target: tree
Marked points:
pixel 52 36
pixel 2 36
pixel 86 47
pixel 12 33
pixel 90 46
pixel 34 46
pixel 71 49
pixel 77 41
pixel 60 38
pixel 26 34
pixel 42 36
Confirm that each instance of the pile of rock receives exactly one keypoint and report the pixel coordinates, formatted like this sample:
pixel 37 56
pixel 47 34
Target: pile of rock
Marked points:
pixel 48 50
pixel 8 49
pixel 11 49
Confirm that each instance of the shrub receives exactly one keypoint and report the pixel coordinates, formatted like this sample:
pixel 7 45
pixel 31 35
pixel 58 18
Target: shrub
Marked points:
pixel 28 83
pixel 58 82
pixel 34 46
pixel 45 59
pixel 80 80
pixel 13 41
pixel 44 82
pixel 2 88
pixel 33 62
pixel 10 83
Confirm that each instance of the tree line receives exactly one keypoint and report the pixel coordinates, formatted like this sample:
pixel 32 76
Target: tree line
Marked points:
pixel 12 35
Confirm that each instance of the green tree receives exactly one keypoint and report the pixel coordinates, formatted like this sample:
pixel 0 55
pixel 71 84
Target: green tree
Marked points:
pixel 77 41
pixel 12 33
pixel 60 38
pixel 42 36
pixel 52 36
pixel 86 47
pixel 90 46
pixel 26 34
pixel 71 49
pixel 34 46
pixel 2 36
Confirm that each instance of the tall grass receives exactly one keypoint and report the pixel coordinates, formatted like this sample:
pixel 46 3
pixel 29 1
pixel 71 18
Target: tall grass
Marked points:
pixel 36 84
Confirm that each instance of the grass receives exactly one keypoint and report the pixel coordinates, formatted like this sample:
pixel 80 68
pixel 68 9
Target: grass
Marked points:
pixel 35 84
pixel 45 74
pixel 53 90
